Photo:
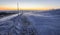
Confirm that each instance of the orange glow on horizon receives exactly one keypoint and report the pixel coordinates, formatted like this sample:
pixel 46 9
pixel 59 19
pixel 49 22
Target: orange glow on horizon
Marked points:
pixel 7 8
pixel 10 8
pixel 35 8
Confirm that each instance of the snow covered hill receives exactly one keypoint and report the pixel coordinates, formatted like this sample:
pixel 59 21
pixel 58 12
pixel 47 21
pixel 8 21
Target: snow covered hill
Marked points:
pixel 29 23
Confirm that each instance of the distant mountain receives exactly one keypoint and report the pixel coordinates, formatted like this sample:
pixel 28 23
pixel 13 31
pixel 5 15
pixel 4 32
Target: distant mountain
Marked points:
pixel 3 14
pixel 54 12
pixel 9 11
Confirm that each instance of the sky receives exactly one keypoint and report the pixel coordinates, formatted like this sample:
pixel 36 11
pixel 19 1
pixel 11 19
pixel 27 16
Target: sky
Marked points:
pixel 29 4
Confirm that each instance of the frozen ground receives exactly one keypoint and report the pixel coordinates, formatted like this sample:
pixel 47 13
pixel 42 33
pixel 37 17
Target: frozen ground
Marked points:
pixel 30 24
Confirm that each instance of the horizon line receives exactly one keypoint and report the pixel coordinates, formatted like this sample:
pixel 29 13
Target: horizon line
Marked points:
pixel 8 8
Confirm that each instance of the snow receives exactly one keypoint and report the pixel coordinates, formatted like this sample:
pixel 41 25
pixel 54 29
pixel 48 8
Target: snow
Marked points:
pixel 30 24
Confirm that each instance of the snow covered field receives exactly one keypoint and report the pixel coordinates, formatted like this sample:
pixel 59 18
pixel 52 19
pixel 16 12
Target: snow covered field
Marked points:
pixel 30 24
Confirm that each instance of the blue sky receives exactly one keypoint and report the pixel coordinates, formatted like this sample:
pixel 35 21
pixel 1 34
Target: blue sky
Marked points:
pixel 31 3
